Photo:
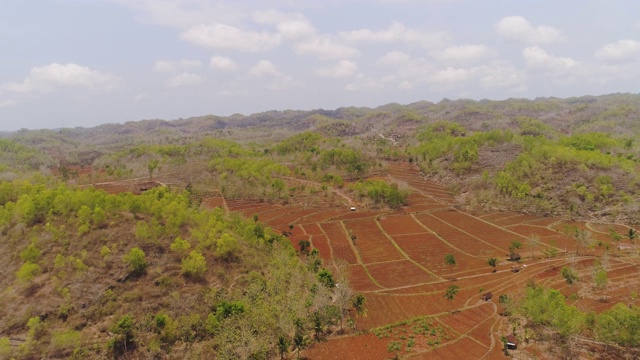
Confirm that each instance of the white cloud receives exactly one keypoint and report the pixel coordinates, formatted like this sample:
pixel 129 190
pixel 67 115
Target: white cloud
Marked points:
pixel 620 51
pixel 398 32
pixel 283 82
pixel 222 63
pixel 183 14
pixel 165 66
pixel 140 97
pixel 221 36
pixel 501 75
pixel 292 26
pixel 324 48
pixel 185 79
pixel 48 78
pixel 7 103
pixel 365 83
pixel 451 75
pixel 462 54
pixel 536 57
pixel 342 69
pixel 519 28
pixel 264 68
pixel 394 58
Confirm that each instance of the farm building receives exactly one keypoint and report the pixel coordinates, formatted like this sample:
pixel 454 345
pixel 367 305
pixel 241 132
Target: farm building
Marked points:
pixel 512 342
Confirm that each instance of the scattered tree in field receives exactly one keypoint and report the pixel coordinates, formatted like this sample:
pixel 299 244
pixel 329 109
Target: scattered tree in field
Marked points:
pixel 632 235
pixel 394 347
pixel 451 292
pixel 532 242
pixel 600 278
pixel 582 237
pixel 493 262
pixel 450 260
pixel 515 244
pixel 304 246
pixel 569 275
pixel 153 165
pixel 358 302
pixel 136 261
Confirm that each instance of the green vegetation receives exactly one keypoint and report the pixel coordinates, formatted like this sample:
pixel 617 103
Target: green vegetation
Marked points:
pixel 264 289
pixel 380 192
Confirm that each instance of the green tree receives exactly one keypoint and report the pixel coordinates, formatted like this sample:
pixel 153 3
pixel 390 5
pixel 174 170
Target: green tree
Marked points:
pixel 450 260
pixel 632 235
pixel 300 342
pixel 515 244
pixel 123 328
pixel 451 292
pixel 326 278
pixel 569 275
pixel 304 246
pixel 153 165
pixel 600 279
pixel 493 262
pixel 136 261
pixel 358 303
pixel 283 345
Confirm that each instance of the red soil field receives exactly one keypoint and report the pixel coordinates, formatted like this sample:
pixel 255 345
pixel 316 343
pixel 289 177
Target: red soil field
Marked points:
pixel 514 220
pixel 321 243
pixel 480 229
pixel 455 351
pixel 401 224
pixel 372 245
pixel 360 280
pixel 321 216
pixel 339 242
pixel 529 230
pixel 213 202
pixel 464 321
pixel 282 222
pixel 398 274
pixel 456 237
pixel 429 251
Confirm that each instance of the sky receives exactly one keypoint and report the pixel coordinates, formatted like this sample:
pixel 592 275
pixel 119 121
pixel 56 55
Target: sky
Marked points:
pixel 70 63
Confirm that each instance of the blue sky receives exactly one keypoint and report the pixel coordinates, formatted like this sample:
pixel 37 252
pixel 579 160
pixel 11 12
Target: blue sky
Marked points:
pixel 88 62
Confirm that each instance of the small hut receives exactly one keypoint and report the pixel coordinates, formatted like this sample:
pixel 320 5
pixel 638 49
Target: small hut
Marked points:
pixel 514 257
pixel 487 296
pixel 512 343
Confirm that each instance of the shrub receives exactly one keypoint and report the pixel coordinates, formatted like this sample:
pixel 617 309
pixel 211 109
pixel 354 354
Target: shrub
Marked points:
pixel 227 245
pixel 194 265
pixel 28 271
pixel 65 340
pixel 30 254
pixel 136 261
pixel 180 246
